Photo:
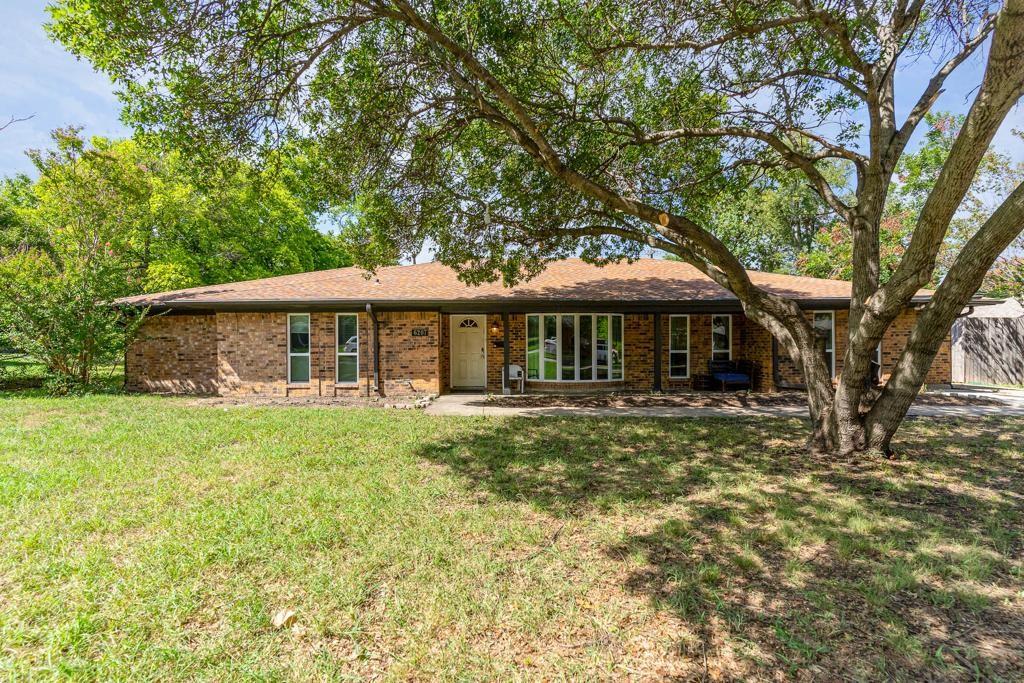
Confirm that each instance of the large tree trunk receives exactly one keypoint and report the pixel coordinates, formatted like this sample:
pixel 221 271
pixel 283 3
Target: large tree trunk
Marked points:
pixel 785 321
pixel 826 427
pixel 936 319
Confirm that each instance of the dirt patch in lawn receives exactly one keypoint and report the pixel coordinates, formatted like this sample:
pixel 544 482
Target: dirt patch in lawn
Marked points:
pixel 700 400
pixel 409 403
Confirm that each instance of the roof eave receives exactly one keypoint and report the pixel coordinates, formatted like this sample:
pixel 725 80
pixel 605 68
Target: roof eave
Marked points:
pixel 485 305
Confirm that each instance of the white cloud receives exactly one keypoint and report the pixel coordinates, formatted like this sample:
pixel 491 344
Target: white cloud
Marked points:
pixel 40 78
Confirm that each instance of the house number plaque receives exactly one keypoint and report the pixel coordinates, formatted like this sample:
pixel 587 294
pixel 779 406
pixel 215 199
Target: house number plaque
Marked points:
pixel 420 332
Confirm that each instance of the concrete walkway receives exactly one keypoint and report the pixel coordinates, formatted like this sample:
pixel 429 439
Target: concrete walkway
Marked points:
pixel 477 404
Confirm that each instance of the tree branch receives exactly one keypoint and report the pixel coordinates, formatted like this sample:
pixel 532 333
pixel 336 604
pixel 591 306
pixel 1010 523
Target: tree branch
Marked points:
pixel 697 46
pixel 835 29
pixel 16 119
pixel 524 129
pixel 946 303
pixel 795 159
pixel 1001 87
pixel 933 90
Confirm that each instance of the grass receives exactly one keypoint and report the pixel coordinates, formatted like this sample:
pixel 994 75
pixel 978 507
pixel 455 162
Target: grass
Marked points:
pixel 19 373
pixel 146 537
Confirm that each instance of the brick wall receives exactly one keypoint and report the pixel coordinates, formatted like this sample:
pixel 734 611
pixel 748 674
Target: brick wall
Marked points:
pixel 638 351
pixel 247 353
pixel 445 353
pixel 175 354
pixel 757 346
pixel 893 341
pixel 410 364
pixel 743 347
pixel 496 347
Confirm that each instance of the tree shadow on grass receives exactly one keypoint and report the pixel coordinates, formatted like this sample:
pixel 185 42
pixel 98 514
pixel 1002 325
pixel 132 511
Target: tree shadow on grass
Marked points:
pixel 787 565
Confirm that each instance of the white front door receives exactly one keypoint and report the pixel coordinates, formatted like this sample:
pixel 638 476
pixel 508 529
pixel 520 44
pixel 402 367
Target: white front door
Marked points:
pixel 468 354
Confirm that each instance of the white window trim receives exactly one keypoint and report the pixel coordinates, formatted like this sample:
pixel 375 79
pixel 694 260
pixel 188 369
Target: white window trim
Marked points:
pixel 309 359
pixel 338 352
pixel 558 346
pixel 720 315
pixel 686 350
pixel 832 341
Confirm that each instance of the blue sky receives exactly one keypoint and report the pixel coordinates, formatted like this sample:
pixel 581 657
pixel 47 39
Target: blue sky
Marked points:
pixel 38 77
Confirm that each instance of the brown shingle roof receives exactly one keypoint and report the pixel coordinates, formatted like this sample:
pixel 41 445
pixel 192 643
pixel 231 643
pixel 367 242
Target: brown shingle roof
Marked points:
pixel 570 280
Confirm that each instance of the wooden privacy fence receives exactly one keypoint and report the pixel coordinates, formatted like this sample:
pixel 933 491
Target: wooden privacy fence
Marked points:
pixel 988 350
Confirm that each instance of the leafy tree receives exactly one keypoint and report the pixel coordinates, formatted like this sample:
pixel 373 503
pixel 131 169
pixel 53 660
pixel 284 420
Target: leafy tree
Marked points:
pixel 111 218
pixel 1006 278
pixel 182 228
pixel 830 254
pixel 771 222
pixel 513 132
pixel 54 296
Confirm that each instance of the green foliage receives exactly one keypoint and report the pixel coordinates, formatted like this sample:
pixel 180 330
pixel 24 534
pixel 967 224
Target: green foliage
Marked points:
pixel 384 130
pixel 774 220
pixel 831 252
pixel 180 226
pixel 54 299
pixel 1006 278
pixel 399 134
pixel 107 219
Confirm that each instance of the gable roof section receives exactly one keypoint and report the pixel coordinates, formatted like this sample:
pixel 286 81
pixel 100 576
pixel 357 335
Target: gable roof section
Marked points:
pixel 571 282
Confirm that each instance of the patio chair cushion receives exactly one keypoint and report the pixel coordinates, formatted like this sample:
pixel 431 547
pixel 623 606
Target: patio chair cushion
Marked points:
pixel 731 377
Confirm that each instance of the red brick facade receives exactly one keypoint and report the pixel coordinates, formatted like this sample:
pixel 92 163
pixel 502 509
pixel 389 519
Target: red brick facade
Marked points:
pixel 247 353
pixel 893 341
pixel 174 354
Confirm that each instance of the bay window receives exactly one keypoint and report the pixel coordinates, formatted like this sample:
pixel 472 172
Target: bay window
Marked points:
pixel 348 348
pixel 574 347
pixel 298 348
pixel 679 346
pixel 568 347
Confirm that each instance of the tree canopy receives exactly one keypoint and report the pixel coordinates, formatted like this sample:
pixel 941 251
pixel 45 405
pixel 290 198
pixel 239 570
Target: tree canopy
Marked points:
pixel 515 132
pixel 173 229
pixel 110 218
pixel 830 252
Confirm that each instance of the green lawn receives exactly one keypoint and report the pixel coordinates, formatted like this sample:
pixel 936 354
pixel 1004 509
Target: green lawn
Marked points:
pixel 18 372
pixel 146 537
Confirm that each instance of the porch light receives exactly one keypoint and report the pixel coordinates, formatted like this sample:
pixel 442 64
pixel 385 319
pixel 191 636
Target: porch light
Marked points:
pixel 495 327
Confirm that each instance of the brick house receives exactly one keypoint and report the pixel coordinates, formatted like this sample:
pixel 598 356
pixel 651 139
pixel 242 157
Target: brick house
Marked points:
pixel 649 325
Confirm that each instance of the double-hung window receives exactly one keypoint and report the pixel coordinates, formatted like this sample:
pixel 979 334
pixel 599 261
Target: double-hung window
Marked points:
pixel 825 327
pixel 298 348
pixel 721 337
pixel 574 347
pixel 679 346
pixel 348 348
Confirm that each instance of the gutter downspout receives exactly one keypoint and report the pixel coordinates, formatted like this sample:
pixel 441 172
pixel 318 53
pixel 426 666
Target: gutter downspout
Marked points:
pixel 657 354
pixel 376 347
